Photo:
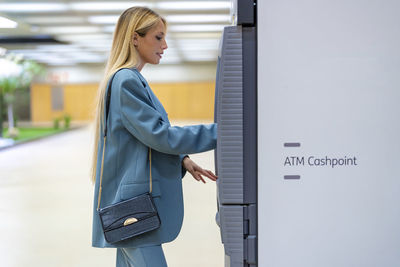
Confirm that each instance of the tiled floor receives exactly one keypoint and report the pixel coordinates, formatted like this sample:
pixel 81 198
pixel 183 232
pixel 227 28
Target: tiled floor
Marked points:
pixel 46 203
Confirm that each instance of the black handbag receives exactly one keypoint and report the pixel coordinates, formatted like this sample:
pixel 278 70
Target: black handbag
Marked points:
pixel 131 217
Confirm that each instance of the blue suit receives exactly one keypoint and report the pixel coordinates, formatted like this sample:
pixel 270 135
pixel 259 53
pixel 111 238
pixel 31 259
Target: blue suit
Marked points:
pixel 137 121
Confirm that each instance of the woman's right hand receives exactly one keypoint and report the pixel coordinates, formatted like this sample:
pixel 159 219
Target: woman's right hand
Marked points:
pixel 196 171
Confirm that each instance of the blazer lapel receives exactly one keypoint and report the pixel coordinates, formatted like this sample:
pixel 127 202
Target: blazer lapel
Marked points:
pixel 157 104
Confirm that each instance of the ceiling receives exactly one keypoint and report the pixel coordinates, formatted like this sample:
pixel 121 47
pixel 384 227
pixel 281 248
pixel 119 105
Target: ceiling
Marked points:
pixel 70 32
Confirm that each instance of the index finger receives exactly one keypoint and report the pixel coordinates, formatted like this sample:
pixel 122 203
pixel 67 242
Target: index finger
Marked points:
pixel 209 174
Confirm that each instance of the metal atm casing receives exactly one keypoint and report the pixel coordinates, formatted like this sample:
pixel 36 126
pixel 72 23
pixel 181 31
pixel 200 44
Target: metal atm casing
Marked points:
pixel 236 154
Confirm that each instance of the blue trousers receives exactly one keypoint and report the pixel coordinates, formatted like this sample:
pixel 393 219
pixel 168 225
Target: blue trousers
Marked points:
pixel 152 256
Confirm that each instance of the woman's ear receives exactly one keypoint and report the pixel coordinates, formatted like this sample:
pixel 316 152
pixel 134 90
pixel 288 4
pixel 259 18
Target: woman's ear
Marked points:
pixel 135 39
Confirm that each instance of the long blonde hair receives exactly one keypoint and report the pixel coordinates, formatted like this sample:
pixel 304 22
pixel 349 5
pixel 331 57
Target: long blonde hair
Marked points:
pixel 123 55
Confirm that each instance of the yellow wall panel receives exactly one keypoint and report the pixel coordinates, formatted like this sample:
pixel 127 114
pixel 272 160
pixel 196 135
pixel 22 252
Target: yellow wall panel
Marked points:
pixel 41 102
pixel 79 101
pixel 186 100
pixel 193 100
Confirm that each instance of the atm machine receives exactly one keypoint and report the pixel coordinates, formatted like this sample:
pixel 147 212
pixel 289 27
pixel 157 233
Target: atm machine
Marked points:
pixel 307 106
pixel 236 153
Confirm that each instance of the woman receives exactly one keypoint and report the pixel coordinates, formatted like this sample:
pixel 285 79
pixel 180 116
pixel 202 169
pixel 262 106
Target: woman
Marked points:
pixel 136 122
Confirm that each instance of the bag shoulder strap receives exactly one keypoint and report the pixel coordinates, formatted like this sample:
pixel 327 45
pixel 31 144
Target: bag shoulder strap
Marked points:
pixel 108 98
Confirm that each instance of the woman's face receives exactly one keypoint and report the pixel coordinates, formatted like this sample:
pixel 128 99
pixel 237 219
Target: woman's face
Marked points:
pixel 152 45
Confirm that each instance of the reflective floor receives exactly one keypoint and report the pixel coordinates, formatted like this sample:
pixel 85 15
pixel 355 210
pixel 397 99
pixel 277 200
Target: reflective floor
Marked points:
pixel 46 208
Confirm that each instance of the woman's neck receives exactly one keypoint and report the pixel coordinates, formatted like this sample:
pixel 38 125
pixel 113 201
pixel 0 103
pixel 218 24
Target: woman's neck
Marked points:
pixel 140 66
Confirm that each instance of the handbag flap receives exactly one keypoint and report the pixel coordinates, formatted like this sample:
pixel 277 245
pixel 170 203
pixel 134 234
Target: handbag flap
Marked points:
pixel 129 211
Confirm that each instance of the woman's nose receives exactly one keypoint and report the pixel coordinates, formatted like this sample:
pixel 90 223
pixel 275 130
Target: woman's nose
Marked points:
pixel 165 46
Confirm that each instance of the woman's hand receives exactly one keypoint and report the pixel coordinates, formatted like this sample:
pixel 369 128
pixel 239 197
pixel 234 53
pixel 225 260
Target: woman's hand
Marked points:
pixel 196 171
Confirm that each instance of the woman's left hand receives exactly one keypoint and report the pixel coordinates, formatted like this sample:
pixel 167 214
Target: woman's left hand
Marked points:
pixel 196 171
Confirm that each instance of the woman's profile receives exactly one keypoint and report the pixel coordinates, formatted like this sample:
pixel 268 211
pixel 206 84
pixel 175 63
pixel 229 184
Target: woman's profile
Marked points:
pixel 138 127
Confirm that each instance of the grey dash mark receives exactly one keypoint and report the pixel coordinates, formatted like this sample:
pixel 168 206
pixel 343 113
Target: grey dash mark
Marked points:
pixel 291 177
pixel 291 144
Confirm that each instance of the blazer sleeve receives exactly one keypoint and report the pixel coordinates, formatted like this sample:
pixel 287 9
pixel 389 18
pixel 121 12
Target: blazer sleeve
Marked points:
pixel 143 121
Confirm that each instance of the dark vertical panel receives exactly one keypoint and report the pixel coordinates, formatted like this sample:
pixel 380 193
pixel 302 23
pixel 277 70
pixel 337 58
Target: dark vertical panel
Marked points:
pixel 250 114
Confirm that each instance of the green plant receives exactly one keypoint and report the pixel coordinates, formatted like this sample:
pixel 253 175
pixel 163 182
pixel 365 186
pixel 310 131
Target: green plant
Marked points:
pixel 56 123
pixel 18 75
pixel 67 121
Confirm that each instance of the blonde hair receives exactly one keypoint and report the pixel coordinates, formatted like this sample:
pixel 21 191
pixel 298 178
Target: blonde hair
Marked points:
pixel 123 55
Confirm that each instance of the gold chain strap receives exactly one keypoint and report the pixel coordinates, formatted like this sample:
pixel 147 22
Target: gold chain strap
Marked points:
pixel 101 173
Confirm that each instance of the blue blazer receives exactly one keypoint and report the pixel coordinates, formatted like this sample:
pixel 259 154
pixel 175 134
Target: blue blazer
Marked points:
pixel 137 121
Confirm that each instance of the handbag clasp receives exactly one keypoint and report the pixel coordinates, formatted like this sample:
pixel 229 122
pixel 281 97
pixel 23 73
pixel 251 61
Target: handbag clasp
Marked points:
pixel 130 221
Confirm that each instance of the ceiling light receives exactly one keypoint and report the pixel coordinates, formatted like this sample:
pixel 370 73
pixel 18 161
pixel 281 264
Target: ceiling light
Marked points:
pixel 32 7
pixel 54 20
pixel 57 47
pixel 204 18
pixel 103 19
pixel 195 5
pixel 7 23
pixel 69 30
pixel 196 28
pixel 107 6
pixel 86 38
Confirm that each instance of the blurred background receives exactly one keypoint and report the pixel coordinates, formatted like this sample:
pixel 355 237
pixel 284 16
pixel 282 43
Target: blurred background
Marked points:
pixel 52 58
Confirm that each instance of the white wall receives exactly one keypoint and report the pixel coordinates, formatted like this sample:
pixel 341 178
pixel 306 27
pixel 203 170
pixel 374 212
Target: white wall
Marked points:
pixel 329 78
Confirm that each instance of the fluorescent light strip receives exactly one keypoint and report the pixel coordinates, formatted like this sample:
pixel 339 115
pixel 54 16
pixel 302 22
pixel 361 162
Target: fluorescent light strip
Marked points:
pixel 29 7
pixel 196 28
pixel 57 47
pixel 85 38
pixel 32 7
pixel 204 18
pixel 195 5
pixel 103 19
pixel 70 30
pixel 7 23
pixel 106 6
pixel 54 20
